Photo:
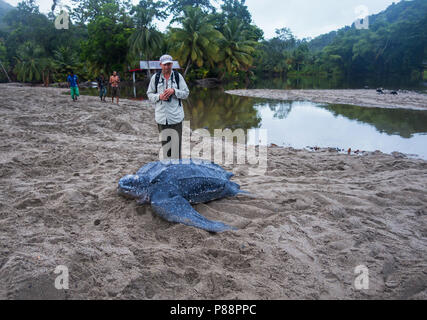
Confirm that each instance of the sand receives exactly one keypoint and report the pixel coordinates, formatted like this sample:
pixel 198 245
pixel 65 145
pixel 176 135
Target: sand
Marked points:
pixel 317 215
pixel 359 97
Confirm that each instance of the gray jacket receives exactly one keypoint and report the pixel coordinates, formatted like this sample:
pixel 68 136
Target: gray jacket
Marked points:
pixel 165 110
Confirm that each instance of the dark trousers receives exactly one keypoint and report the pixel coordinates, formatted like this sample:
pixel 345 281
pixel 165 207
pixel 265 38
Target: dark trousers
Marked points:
pixel 178 129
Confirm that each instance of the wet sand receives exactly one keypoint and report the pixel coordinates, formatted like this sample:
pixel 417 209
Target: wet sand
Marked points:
pixel 317 215
pixel 359 97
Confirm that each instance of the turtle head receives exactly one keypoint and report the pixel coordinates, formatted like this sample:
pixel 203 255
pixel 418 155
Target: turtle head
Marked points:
pixel 134 186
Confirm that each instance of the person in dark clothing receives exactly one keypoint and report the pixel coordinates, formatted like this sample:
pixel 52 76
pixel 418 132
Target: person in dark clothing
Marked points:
pixel 102 86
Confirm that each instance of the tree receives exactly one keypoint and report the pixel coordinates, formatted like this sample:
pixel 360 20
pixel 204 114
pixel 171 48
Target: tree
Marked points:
pixel 27 24
pixel 299 55
pixel 287 39
pixel 392 46
pixel 65 59
pixel 197 41
pixel 48 68
pixel 177 7
pixel 107 45
pixel 89 10
pixel 236 51
pixel 145 39
pixel 27 13
pixel 275 55
pixel 54 4
pixel 28 62
pixel 236 9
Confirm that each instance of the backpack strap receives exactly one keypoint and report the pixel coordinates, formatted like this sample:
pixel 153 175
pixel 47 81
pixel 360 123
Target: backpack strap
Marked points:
pixel 176 75
pixel 156 83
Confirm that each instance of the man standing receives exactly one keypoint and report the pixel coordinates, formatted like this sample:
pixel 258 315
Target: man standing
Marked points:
pixel 166 90
pixel 114 82
pixel 102 86
pixel 73 84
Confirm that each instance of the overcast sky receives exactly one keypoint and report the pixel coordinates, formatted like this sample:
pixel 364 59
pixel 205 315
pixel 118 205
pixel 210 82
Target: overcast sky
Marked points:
pixel 306 18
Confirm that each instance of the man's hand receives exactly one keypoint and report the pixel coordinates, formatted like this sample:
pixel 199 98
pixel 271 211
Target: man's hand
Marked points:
pixel 170 91
pixel 164 97
pixel 166 94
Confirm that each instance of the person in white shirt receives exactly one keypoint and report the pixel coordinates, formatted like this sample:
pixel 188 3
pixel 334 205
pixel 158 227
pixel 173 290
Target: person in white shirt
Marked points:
pixel 166 90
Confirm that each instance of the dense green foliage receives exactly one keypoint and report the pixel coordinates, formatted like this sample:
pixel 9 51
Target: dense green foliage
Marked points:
pixel 107 35
pixel 146 41
pixel 394 44
pixel 4 8
pixel 196 42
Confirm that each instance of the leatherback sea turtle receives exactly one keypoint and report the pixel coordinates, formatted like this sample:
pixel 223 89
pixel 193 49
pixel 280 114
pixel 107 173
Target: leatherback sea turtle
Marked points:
pixel 171 186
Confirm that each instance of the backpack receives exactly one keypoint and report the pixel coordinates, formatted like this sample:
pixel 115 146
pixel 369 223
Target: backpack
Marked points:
pixel 176 76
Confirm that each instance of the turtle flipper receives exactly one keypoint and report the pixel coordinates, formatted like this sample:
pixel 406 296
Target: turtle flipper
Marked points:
pixel 178 209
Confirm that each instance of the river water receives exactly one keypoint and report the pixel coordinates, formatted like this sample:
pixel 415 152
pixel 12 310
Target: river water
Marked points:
pixel 306 124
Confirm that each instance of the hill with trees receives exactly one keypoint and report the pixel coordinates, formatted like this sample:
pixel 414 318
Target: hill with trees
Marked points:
pixel 4 9
pixel 393 46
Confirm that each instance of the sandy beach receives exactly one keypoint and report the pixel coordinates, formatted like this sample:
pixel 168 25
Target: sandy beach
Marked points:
pixel 359 97
pixel 317 215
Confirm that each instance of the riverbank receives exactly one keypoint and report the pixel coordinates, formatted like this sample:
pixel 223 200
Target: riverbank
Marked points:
pixel 359 97
pixel 317 215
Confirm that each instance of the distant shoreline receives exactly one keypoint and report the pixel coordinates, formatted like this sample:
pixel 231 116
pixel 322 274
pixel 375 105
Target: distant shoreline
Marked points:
pixel 359 97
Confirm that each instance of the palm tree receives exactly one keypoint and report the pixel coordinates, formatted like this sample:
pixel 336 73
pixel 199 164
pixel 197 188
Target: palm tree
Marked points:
pixel 64 59
pixel 197 41
pixel 48 67
pixel 146 39
pixel 236 49
pixel 28 62
pixel 144 42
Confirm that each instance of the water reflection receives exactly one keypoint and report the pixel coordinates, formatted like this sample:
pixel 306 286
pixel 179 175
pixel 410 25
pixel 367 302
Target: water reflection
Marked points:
pixel 213 109
pixel 281 109
pixel 404 123
pixel 343 127
pixel 301 124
